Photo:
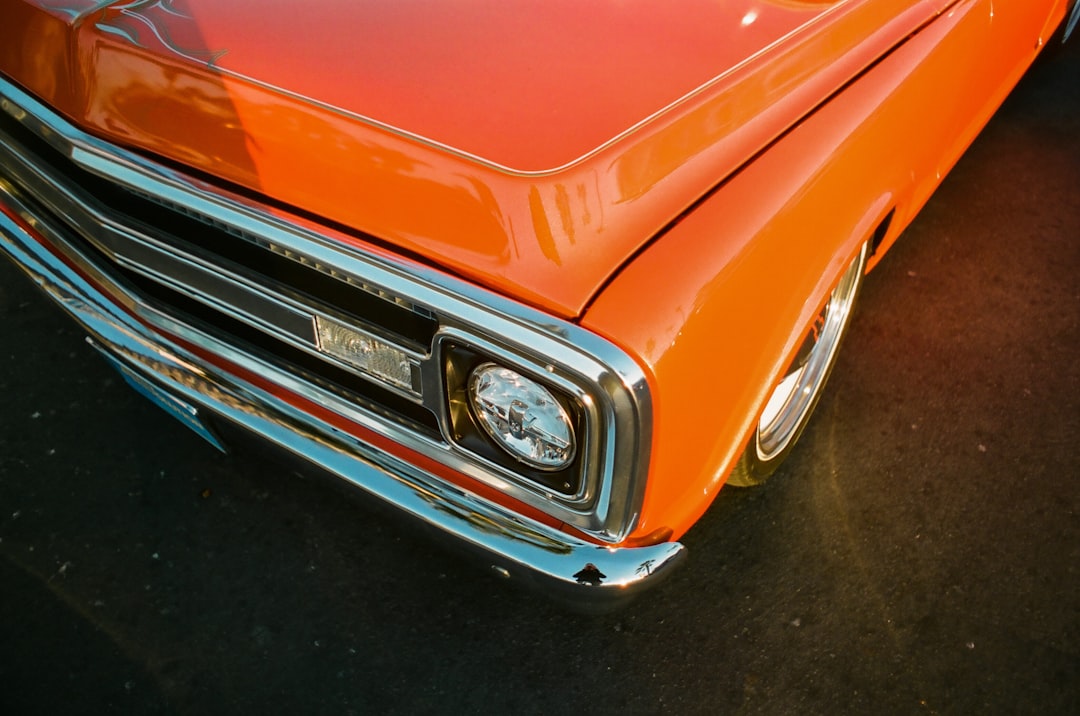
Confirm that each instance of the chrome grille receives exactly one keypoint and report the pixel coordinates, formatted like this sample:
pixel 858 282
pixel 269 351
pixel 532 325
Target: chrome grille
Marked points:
pixel 224 279
pixel 243 280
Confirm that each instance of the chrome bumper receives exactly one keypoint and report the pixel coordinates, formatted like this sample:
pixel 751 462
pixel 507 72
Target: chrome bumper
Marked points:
pixel 573 571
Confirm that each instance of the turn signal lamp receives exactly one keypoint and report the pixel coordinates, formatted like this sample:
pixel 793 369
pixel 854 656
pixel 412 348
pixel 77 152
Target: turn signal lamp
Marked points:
pixel 373 356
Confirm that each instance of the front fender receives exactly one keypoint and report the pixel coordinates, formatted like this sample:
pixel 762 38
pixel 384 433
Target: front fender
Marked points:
pixel 716 306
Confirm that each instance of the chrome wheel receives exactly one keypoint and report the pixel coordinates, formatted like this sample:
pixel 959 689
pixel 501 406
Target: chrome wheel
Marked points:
pixel 1069 23
pixel 788 408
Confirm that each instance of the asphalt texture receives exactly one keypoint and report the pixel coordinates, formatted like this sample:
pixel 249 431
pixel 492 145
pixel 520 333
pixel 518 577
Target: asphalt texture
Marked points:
pixel 918 554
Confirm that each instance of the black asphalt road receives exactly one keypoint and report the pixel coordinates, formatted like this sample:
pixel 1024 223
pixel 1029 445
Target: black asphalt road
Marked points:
pixel 919 553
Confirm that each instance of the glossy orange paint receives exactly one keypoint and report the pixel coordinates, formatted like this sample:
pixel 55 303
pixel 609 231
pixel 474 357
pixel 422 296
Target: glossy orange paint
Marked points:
pixel 758 258
pixel 555 160
pixel 507 143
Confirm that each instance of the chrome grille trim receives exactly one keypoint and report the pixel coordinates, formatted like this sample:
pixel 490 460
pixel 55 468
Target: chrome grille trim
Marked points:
pixel 283 314
pixel 610 386
pixel 285 252
pixel 532 552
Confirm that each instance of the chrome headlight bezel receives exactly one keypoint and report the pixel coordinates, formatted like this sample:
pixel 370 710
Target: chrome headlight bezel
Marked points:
pixel 572 485
pixel 606 394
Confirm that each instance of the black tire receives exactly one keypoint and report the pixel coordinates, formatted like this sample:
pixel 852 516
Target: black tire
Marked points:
pixel 788 409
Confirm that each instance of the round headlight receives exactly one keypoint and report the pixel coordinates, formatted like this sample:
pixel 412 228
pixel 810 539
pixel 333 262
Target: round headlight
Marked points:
pixel 522 417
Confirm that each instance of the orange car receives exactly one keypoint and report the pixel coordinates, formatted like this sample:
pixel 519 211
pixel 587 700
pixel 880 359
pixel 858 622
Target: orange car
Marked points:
pixel 544 275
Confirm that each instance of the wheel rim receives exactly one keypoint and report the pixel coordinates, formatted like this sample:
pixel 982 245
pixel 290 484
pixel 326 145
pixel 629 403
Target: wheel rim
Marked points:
pixel 793 399
pixel 1071 21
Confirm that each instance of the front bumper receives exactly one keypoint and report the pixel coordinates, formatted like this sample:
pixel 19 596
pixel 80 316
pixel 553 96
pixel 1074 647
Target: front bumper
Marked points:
pixel 568 569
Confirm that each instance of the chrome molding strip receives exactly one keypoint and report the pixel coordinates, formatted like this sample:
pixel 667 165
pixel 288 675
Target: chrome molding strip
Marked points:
pixel 582 574
pixel 612 386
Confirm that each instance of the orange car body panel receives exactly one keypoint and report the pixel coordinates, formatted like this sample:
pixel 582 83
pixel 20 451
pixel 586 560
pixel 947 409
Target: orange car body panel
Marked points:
pixel 837 175
pixel 687 184
pixel 524 151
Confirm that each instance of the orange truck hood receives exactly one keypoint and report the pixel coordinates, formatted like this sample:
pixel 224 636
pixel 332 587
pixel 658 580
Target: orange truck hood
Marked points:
pixel 532 147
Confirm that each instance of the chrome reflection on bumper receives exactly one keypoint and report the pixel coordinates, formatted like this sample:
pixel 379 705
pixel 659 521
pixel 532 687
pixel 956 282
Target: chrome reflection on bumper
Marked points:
pixel 579 573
